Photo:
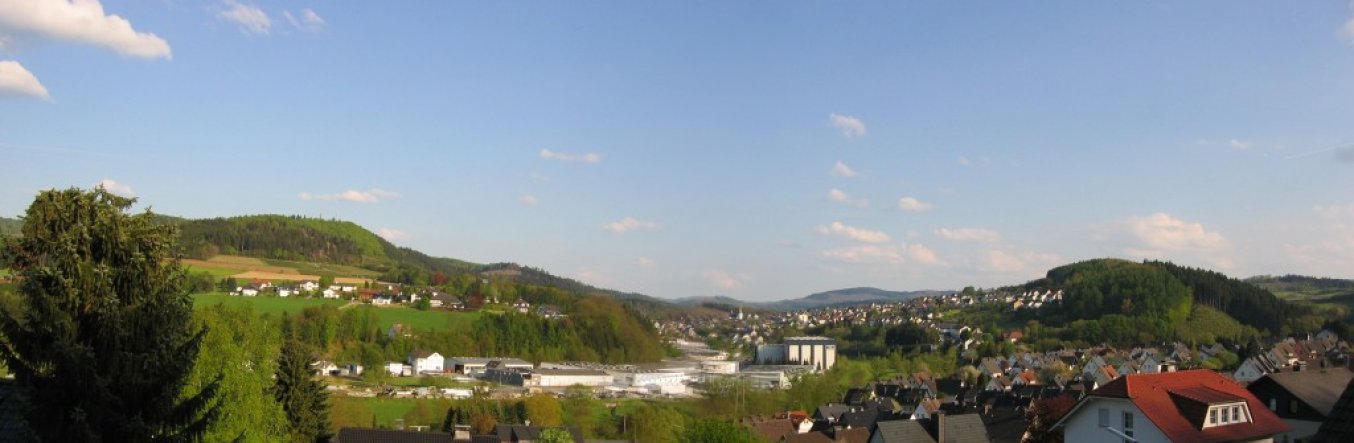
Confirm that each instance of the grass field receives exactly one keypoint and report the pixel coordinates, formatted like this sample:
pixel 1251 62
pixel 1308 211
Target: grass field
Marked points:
pixel 387 409
pixel 322 268
pixel 263 305
pixel 222 266
pixel 422 320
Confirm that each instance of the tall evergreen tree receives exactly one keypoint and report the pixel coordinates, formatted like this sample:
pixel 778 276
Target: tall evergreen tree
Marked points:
pixel 102 342
pixel 302 397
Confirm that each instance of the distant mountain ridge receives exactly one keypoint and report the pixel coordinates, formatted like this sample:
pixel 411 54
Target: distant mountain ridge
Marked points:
pixel 834 298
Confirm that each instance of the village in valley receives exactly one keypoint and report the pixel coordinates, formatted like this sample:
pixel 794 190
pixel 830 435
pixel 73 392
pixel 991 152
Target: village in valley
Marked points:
pixel 985 398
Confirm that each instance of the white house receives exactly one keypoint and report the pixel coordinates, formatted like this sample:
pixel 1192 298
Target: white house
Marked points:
pixel 330 293
pixel 425 362
pixel 285 291
pixel 1198 405
pixel 381 300
pixel 309 285
pixel 248 291
pixel 398 369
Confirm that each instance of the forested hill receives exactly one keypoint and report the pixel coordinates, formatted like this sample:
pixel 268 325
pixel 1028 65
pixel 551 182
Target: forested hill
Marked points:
pixel 1105 297
pixel 346 243
pixel 1247 303
pixel 307 239
pixel 1156 297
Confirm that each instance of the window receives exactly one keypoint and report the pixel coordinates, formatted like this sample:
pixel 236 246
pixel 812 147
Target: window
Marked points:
pixel 1212 416
pixel 1293 406
pixel 1104 417
pixel 1236 413
pixel 1128 421
pixel 1274 404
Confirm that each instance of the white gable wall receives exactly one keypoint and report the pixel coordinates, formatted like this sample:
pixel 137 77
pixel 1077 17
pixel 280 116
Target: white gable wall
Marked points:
pixel 1085 424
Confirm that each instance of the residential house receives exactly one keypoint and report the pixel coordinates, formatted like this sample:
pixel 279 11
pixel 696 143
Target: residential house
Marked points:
pixel 1303 399
pixel 446 301
pixel 521 306
pixel 399 369
pixel 330 293
pixel 425 362
pixel 1193 406
pixel 309 285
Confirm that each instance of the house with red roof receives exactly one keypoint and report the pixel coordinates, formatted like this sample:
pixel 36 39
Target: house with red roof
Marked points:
pixel 1187 406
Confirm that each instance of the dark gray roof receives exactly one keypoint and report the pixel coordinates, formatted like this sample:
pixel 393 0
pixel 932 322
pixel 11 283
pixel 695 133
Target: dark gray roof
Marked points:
pixel 359 435
pixel 1339 424
pixel 901 431
pixel 1318 388
pixel 965 428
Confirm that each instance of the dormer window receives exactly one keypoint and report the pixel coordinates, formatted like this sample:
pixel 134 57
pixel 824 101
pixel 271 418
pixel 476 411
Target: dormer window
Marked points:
pixel 1227 414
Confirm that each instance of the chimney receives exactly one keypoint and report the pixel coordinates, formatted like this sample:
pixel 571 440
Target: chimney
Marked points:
pixel 940 427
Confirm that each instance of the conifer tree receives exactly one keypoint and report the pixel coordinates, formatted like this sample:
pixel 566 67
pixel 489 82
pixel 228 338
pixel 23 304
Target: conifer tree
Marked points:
pixel 103 342
pixel 301 396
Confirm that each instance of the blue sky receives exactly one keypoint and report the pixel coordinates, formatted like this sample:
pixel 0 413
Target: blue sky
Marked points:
pixel 762 150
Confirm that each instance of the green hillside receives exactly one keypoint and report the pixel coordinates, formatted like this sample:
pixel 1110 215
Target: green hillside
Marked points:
pixel 10 226
pixel 1120 301
pixel 1301 287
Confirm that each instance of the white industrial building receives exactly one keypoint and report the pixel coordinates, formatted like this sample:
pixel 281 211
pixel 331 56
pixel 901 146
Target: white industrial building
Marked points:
pixel 818 352
pixel 658 382
pixel 560 378
pixel 478 365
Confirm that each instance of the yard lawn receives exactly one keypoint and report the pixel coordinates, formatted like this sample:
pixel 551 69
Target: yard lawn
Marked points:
pixel 263 305
pixel 387 409
pixel 422 320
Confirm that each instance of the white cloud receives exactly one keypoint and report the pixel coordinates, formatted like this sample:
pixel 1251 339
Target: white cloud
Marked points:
pixel 866 254
pixel 630 224
pixel 913 205
pixel 1012 262
pixel 16 81
pixel 369 196
pixel 842 170
pixel 922 254
pixel 883 254
pixel 1241 144
pixel 250 18
pixel 965 161
pixel 528 200
pixel 1160 231
pixel 80 21
pixel 571 157
pixel 850 126
pixel 113 186
pixel 310 21
pixel 854 233
pixel 969 234
pixel 839 196
pixel 723 279
pixel 1334 211
pixel 392 234
pixel 1160 236
pixel 646 262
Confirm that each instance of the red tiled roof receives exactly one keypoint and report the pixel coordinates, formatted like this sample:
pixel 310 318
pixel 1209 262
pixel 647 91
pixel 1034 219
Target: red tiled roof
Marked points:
pixel 1152 393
